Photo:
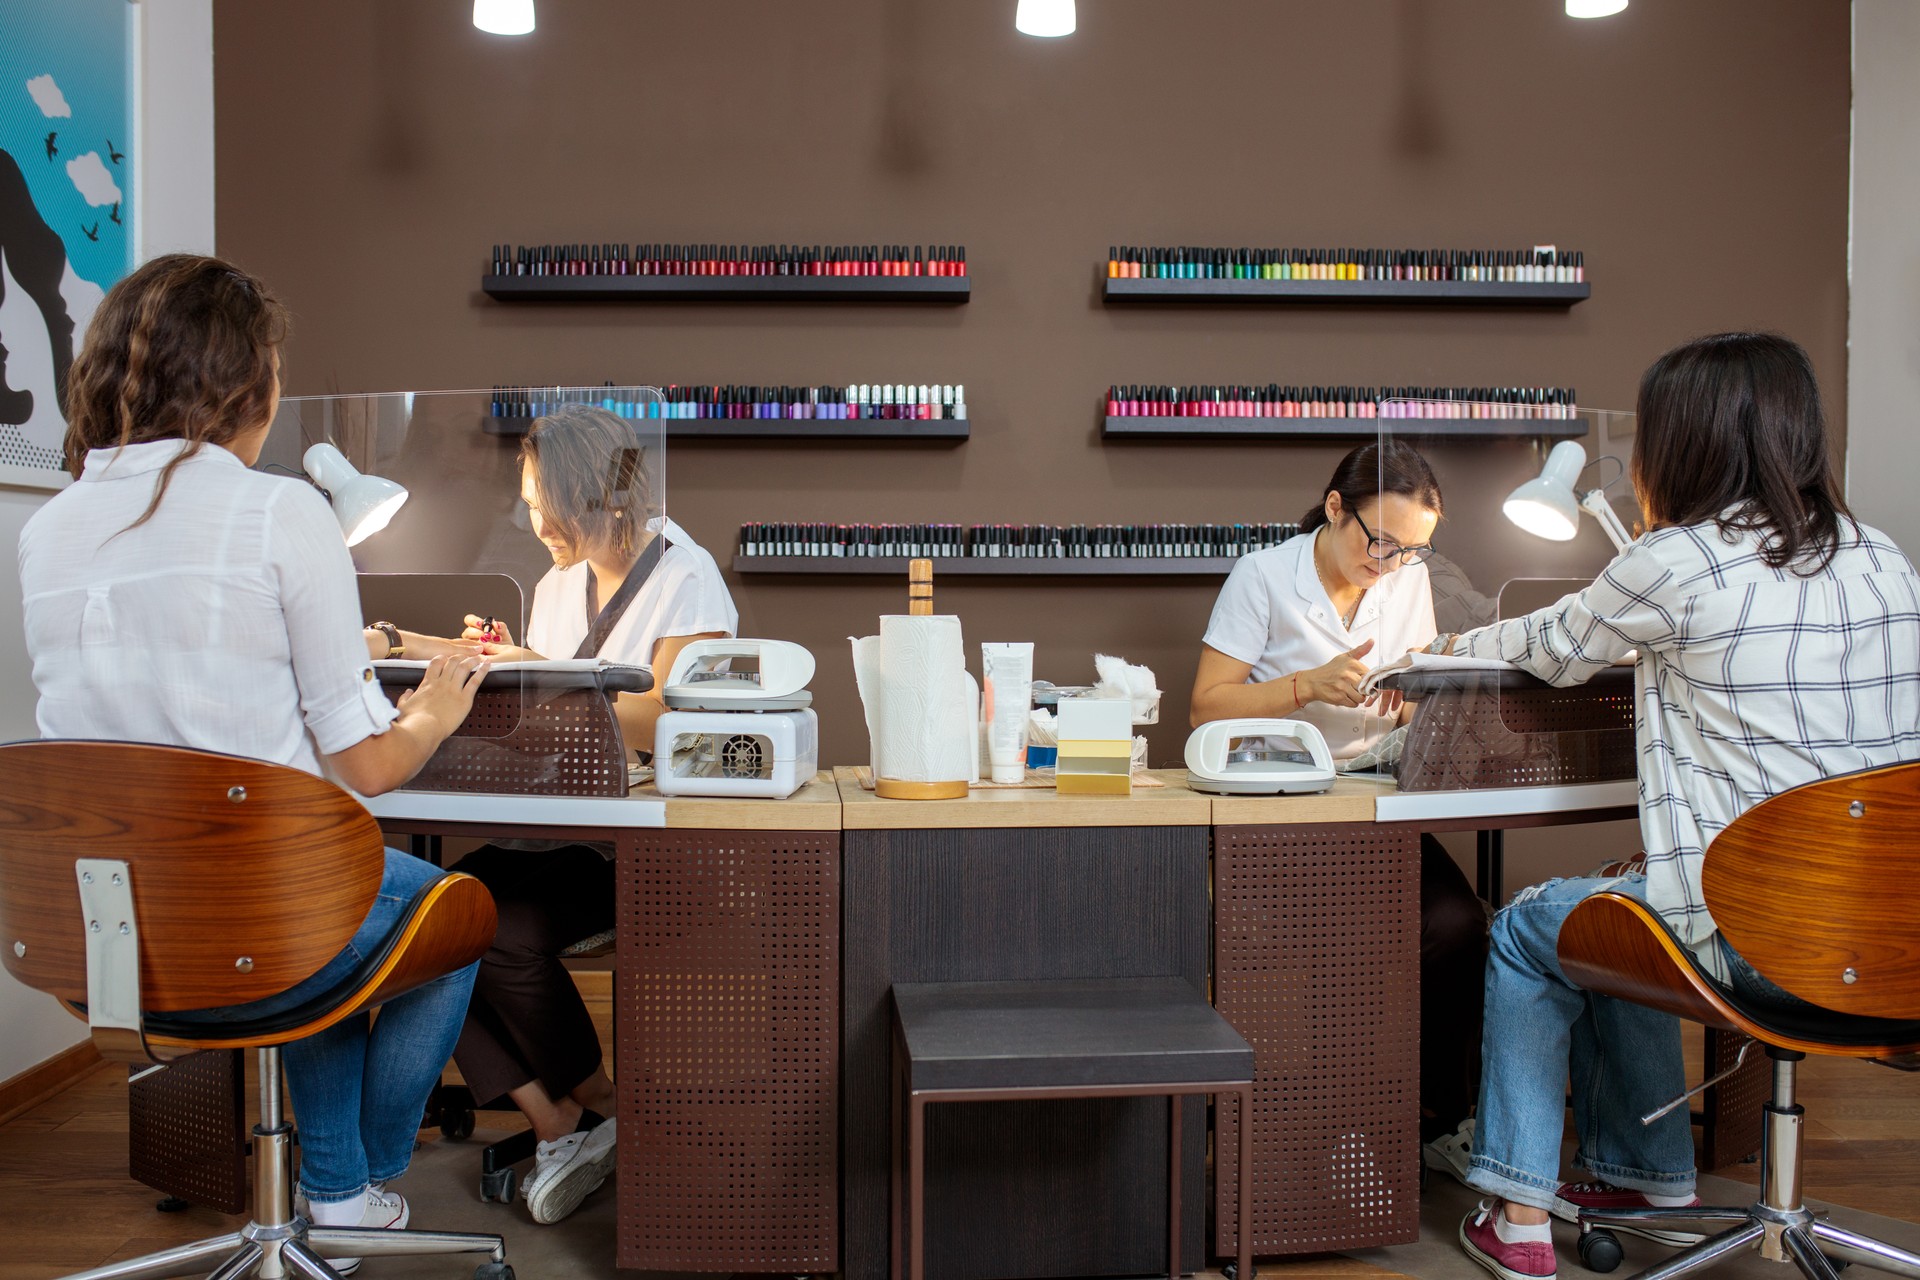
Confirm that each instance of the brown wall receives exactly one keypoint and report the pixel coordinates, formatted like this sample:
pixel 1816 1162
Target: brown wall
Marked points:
pixel 370 150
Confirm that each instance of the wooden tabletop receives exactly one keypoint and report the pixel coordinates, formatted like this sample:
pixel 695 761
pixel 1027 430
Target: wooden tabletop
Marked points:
pixel 814 807
pixel 1348 801
pixel 1172 805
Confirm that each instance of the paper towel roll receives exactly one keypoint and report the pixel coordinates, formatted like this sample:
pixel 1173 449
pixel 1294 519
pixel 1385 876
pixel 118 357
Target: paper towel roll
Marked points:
pixel 913 684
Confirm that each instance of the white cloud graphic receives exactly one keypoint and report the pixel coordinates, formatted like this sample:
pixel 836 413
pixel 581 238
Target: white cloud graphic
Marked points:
pixel 47 96
pixel 90 174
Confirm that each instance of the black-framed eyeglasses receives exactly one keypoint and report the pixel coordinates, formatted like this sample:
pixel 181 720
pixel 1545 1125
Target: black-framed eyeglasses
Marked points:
pixel 1386 548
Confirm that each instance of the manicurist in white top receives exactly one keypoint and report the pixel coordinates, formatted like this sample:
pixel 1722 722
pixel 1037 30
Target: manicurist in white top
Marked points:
pixel 629 586
pixel 1296 628
pixel 172 595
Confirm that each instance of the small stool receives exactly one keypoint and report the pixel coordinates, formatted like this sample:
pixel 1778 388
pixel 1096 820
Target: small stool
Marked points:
pixel 1076 1038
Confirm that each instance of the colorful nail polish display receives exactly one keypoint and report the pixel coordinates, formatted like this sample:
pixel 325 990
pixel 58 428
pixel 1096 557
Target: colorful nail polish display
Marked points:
pixel 1276 401
pixel 947 260
pixel 1541 264
pixel 862 401
pixel 1012 541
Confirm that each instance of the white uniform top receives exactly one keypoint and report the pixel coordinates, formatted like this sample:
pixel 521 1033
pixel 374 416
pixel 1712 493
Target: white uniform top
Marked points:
pixel 230 621
pixel 683 596
pixel 1274 613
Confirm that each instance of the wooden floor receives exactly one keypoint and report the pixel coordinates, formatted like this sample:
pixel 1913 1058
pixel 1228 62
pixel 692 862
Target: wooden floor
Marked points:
pixel 66 1202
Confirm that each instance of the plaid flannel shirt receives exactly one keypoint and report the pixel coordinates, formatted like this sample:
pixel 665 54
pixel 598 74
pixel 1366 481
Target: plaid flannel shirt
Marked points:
pixel 1749 680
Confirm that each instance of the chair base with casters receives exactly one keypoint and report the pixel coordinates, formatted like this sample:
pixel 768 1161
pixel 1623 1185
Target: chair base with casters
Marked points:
pixel 1615 945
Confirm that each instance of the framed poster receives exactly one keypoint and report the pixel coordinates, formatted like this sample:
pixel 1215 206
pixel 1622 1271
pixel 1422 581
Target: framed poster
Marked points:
pixel 67 160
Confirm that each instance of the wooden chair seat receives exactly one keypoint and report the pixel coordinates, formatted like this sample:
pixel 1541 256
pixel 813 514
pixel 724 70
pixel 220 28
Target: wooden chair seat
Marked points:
pixel 1616 945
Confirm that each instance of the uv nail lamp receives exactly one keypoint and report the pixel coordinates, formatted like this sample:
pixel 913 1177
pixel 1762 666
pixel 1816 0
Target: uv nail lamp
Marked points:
pixel 739 722
pixel 1258 757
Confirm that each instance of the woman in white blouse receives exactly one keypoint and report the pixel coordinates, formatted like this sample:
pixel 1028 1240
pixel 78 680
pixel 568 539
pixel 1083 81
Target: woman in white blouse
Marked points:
pixel 173 595
pixel 1296 628
pixel 1777 642
pixel 629 586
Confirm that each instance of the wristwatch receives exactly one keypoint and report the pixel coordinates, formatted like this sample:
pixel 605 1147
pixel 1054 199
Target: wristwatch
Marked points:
pixel 395 646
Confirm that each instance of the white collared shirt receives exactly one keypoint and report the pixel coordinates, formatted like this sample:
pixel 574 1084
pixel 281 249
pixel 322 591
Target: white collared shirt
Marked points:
pixel 683 596
pixel 229 621
pixel 1274 613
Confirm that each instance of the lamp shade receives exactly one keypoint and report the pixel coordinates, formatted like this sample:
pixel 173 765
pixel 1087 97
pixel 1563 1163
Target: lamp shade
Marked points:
pixel 1545 505
pixel 1594 8
pixel 1044 17
pixel 515 17
pixel 362 504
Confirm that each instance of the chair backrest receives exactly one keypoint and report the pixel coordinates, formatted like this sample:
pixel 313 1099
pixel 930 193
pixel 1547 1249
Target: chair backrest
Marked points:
pixel 246 877
pixel 1819 889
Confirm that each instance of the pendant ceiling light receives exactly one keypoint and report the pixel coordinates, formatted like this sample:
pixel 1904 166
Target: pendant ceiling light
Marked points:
pixel 1594 8
pixel 513 17
pixel 1048 17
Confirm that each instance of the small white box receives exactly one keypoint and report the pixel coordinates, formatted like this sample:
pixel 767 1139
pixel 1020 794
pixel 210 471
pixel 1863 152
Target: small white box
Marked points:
pixel 1094 719
pixel 735 753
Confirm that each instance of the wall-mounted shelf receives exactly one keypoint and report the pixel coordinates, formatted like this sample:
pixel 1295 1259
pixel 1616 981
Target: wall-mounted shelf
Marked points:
pixel 993 566
pixel 1341 428
pixel 902 289
pixel 1498 293
pixel 950 430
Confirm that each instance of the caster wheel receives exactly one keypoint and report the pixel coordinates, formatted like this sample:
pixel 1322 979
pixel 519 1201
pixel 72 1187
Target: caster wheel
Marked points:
pixel 171 1204
pixel 456 1124
pixel 1599 1250
pixel 1232 1270
pixel 499 1186
pixel 493 1271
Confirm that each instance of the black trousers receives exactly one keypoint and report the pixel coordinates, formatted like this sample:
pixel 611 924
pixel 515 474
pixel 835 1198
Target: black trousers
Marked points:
pixel 1453 964
pixel 526 1020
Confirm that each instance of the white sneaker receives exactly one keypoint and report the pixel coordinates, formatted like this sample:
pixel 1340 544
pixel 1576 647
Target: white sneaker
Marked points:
pixel 568 1171
pixel 1451 1153
pixel 381 1211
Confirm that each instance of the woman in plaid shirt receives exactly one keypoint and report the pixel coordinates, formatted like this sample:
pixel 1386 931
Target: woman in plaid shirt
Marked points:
pixel 1778 642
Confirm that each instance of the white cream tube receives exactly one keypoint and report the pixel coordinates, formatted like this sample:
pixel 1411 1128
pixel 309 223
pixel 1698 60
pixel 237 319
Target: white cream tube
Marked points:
pixel 1008 669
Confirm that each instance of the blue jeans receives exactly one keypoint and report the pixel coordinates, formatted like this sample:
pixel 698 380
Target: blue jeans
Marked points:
pixel 359 1090
pixel 1624 1059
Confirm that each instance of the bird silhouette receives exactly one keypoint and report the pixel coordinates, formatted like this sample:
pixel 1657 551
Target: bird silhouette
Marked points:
pixel 52 150
pixel 92 232
pixel 115 156
pixel 115 214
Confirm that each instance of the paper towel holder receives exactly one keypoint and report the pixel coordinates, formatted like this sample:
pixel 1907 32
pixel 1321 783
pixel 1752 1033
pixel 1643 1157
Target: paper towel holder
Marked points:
pixel 919 605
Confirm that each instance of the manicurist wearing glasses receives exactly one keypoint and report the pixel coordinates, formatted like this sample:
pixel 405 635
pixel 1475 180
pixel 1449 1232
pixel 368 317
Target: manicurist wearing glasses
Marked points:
pixel 1296 628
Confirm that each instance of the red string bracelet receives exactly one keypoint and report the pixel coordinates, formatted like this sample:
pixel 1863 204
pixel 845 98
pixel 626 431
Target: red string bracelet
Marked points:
pixel 1297 704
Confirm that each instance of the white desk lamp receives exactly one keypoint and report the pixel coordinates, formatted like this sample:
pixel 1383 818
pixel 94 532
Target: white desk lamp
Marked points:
pixel 1546 507
pixel 363 504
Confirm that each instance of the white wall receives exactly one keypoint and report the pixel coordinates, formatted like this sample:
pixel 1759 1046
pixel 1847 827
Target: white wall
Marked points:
pixel 174 211
pixel 1883 323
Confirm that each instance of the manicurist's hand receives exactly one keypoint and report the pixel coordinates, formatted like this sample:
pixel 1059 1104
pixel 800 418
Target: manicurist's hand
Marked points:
pixel 474 631
pixel 1337 683
pixel 445 692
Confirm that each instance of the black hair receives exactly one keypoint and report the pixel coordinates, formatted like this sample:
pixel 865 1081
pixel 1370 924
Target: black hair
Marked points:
pixel 1374 470
pixel 1731 432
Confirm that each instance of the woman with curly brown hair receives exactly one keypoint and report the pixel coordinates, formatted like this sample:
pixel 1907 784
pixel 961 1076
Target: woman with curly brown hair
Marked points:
pixel 174 595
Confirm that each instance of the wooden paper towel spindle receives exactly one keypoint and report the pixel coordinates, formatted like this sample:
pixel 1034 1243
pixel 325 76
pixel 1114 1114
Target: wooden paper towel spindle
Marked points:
pixel 919 588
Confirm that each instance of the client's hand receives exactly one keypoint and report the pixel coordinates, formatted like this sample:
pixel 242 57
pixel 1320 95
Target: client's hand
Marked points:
pixel 476 630
pixel 430 647
pixel 445 692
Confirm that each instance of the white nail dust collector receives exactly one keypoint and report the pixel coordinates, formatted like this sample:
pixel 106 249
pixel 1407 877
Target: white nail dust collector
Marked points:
pixel 1258 757
pixel 739 721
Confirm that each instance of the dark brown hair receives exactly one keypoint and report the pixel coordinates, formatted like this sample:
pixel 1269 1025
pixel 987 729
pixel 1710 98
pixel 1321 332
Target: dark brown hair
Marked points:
pixel 181 349
pixel 1374 470
pixel 1731 433
pixel 592 477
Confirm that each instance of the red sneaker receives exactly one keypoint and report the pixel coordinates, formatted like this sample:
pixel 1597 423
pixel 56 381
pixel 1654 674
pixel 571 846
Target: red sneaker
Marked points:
pixel 1600 1195
pixel 1524 1260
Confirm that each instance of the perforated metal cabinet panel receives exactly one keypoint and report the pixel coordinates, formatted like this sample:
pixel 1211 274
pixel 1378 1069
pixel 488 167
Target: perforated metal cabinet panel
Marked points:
pixel 1733 1112
pixel 728 1020
pixel 186 1129
pixel 1316 963
pixel 1481 735
pixel 538 742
